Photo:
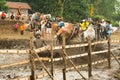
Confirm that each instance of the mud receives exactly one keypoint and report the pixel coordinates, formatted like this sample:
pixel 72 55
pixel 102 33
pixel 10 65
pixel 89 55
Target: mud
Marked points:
pixel 14 44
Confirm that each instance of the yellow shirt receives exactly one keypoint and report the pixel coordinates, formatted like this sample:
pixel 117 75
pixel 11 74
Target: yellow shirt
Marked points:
pixel 84 25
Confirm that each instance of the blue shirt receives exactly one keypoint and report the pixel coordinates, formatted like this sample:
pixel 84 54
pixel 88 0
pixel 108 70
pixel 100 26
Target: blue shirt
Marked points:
pixel 109 28
pixel 61 24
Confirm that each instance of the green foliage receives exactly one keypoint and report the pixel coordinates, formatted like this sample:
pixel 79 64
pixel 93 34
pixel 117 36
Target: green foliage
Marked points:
pixel 71 10
pixel 75 10
pixel 98 17
pixel 105 7
pixel 3 6
pixel 115 23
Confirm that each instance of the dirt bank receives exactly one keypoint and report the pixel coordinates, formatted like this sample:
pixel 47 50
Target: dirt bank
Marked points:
pixel 14 44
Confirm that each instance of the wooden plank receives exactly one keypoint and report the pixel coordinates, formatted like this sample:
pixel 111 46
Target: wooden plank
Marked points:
pixel 99 42
pixel 115 41
pixel 42 49
pixel 14 51
pixel 14 64
pixel 21 63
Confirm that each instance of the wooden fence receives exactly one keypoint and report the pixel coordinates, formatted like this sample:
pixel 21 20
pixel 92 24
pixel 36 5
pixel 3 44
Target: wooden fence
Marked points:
pixel 48 47
pixel 65 57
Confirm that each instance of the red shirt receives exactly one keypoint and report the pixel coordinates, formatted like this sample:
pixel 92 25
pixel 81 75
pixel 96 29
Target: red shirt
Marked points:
pixel 3 15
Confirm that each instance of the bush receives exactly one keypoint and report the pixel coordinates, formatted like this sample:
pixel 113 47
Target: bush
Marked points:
pixel 115 23
pixel 98 17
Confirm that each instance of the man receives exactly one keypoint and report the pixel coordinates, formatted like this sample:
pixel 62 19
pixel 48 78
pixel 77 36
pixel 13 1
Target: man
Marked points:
pixel 61 23
pixel 22 27
pixel 12 16
pixel 39 42
pixel 84 24
pixel 48 28
pixel 109 29
pixel 3 16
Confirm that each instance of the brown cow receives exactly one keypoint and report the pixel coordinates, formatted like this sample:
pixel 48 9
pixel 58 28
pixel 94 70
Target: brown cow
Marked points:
pixel 65 32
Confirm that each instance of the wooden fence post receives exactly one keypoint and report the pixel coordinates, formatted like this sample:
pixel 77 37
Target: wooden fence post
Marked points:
pixel 64 59
pixel 52 55
pixel 109 52
pixel 89 57
pixel 32 77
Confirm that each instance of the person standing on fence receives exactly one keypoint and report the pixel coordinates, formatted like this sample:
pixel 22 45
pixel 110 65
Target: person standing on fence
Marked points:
pixel 22 27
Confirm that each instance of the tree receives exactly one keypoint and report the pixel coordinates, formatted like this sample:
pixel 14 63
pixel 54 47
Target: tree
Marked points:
pixel 105 7
pixel 3 6
pixel 75 10
pixel 71 10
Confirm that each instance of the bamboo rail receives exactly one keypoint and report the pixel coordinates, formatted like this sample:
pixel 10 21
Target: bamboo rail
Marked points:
pixel 12 51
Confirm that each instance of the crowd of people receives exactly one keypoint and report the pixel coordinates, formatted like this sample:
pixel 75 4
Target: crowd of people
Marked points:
pixel 13 16
pixel 103 28
pixel 40 24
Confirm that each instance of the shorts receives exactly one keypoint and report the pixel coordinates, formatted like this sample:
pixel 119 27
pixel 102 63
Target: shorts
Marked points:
pixel 48 30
